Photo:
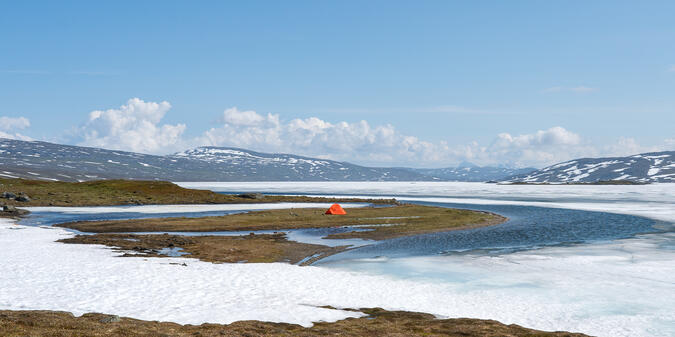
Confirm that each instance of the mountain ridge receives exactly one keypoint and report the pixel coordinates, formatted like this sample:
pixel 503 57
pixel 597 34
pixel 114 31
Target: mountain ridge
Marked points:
pixel 650 167
pixel 50 161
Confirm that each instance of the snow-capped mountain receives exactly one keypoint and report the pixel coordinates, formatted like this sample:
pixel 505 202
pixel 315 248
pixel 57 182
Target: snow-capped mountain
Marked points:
pixel 235 164
pixel 48 161
pixel 642 168
pixel 474 173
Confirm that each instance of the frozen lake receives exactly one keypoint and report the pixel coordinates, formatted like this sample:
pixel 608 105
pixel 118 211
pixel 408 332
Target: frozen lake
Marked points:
pixel 594 259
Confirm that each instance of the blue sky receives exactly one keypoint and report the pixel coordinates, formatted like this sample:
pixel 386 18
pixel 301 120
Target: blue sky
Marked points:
pixel 417 83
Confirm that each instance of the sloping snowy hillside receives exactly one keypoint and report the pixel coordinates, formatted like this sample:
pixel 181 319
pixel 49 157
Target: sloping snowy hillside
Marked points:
pixel 235 164
pixel 644 168
pixel 48 161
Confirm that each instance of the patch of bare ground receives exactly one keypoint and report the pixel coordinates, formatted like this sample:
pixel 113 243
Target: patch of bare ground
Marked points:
pixel 382 222
pixel 379 322
pixel 254 248
pixel 138 192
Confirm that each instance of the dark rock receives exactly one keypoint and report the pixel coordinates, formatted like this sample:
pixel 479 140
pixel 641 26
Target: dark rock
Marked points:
pixel 8 195
pixel 13 211
pixel 252 195
pixel 110 319
pixel 22 198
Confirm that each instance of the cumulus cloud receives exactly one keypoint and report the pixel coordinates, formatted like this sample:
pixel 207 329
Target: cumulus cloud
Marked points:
pixel 13 123
pixel 10 125
pixel 134 126
pixel 552 137
pixel 540 147
pixel 137 126
pixel 626 146
pixel 359 141
pixel 363 143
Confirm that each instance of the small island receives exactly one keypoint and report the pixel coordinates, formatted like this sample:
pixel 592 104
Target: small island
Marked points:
pixel 370 223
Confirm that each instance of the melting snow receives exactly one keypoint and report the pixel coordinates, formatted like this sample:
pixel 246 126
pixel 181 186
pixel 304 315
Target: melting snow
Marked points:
pixel 631 293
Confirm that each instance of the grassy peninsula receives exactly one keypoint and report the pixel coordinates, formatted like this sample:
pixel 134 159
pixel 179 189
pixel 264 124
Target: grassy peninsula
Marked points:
pixel 379 223
pixel 383 222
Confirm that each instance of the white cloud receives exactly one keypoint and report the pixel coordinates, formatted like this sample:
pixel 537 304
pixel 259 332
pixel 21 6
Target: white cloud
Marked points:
pixel 672 68
pixel 552 137
pixel 577 89
pixel 13 123
pixel 132 127
pixel 236 117
pixel 362 143
pixel 536 149
pixel 383 145
pixel 137 127
pixel 10 125
pixel 626 146
pixel 357 142
pixel 15 136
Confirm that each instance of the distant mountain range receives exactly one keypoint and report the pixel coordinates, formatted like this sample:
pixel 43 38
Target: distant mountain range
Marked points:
pixel 643 168
pixel 233 164
pixel 49 161
pixel 41 160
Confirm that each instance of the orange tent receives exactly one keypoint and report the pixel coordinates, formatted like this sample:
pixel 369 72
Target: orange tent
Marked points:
pixel 336 209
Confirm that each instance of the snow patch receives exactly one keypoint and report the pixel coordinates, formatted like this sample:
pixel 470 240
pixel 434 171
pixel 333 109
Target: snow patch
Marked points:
pixel 161 209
